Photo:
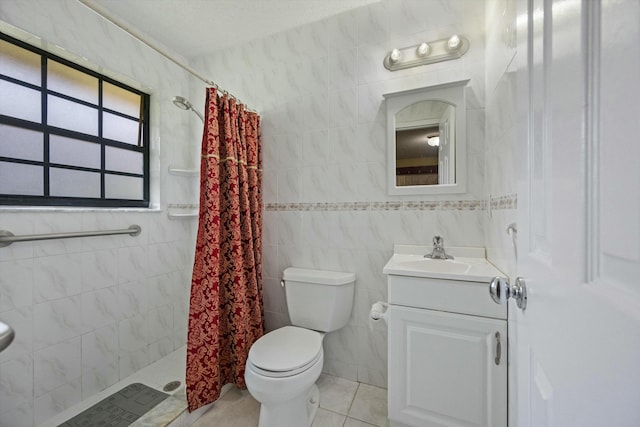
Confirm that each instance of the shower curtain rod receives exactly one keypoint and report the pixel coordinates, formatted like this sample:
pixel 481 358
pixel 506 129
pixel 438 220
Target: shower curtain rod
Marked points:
pixel 136 34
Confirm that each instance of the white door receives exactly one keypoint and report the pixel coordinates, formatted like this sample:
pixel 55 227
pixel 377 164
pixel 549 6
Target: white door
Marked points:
pixel 577 349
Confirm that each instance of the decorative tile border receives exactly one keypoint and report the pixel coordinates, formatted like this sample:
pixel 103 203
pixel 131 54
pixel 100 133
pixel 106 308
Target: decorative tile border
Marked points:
pixel 509 201
pixel 410 205
pixel 182 206
pixel 463 205
pixel 385 206
pixel 421 206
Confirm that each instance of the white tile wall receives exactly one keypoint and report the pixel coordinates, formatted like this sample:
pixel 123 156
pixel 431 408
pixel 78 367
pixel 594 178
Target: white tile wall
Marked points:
pixel 500 159
pixel 88 312
pixel 319 91
pixel 17 382
pixel 84 320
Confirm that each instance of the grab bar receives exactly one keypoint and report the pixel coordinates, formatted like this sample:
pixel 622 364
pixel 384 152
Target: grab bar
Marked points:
pixel 6 335
pixel 7 237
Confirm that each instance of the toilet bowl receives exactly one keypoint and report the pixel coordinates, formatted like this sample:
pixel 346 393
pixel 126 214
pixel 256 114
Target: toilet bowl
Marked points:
pixel 283 365
pixel 282 381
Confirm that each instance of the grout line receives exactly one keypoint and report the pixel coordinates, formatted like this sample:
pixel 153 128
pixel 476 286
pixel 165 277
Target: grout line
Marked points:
pixel 353 399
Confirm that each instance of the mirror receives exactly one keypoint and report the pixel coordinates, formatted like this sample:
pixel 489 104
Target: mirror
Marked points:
pixel 426 139
pixel 425 144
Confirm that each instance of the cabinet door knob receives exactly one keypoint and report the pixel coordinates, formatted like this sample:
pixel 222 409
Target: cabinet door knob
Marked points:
pixel 500 291
pixel 498 349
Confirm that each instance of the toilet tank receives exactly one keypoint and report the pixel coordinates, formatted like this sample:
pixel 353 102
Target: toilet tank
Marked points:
pixel 318 299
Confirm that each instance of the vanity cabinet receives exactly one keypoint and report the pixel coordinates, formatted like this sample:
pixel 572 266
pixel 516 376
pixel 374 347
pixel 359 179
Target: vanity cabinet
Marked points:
pixel 447 354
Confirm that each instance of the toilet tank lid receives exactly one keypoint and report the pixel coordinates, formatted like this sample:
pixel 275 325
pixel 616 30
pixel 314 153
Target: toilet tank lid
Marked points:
pixel 322 277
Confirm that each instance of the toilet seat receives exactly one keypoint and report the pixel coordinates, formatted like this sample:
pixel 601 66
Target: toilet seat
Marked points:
pixel 283 374
pixel 285 352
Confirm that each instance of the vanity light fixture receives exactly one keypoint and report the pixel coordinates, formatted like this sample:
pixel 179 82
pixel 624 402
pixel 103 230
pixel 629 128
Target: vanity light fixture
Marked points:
pixel 426 53
pixel 423 49
pixel 454 42
pixel 394 56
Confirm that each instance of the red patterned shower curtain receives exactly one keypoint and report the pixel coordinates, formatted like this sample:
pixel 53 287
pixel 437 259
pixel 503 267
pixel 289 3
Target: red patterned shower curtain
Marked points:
pixel 225 313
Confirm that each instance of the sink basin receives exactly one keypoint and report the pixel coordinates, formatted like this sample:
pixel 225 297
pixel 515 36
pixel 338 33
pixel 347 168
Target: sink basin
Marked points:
pixel 469 264
pixel 436 265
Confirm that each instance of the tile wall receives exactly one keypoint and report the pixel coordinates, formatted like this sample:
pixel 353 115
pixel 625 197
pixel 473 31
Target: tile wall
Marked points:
pixel 88 312
pixel 319 91
pixel 501 156
pixel 500 159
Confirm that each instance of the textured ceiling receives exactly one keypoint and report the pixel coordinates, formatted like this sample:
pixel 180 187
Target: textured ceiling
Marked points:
pixel 195 27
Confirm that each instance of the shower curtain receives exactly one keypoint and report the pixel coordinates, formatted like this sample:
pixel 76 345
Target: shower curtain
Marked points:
pixel 226 314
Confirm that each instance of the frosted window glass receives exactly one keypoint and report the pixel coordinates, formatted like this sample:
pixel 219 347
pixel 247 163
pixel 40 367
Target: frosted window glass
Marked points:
pixel 72 183
pixel 20 143
pixel 20 63
pixel 123 187
pixel 26 180
pixel 20 102
pixel 72 82
pixel 120 100
pixel 72 116
pixel 73 152
pixel 119 129
pixel 117 159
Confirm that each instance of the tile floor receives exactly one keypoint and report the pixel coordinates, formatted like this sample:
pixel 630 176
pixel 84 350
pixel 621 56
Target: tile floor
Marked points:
pixel 343 403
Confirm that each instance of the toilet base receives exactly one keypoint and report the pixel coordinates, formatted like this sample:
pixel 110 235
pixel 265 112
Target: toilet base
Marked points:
pixel 298 412
pixel 313 401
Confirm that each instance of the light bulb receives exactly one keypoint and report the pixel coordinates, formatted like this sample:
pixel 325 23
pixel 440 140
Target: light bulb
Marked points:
pixel 434 141
pixel 423 49
pixel 454 42
pixel 394 56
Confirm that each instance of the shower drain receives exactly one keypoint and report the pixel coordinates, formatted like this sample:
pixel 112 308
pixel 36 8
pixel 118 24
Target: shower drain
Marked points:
pixel 170 386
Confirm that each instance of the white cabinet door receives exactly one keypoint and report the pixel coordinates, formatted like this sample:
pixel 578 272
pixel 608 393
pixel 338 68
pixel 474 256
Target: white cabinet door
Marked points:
pixel 443 371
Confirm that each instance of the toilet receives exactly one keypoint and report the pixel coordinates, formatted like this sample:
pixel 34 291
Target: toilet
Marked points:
pixel 284 364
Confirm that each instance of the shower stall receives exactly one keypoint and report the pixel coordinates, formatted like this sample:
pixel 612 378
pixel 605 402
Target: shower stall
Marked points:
pixel 94 314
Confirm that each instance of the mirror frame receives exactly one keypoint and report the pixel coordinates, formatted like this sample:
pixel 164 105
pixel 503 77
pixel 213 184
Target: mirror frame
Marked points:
pixel 451 93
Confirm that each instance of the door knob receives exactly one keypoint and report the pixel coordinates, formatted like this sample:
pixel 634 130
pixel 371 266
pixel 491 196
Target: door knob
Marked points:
pixel 6 335
pixel 500 291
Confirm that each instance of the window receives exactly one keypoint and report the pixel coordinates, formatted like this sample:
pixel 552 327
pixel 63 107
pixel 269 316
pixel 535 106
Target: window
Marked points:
pixel 69 136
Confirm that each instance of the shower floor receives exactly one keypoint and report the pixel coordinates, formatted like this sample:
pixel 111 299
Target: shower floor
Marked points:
pixel 119 409
pixel 171 412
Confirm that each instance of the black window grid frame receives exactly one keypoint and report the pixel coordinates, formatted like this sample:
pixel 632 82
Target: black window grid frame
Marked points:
pixel 47 130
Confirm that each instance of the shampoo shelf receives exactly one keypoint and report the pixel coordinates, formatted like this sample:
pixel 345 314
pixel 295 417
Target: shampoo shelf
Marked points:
pixel 183 211
pixel 181 215
pixel 183 171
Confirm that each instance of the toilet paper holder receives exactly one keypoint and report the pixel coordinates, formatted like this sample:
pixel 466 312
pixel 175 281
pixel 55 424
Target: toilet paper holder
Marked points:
pixel 379 311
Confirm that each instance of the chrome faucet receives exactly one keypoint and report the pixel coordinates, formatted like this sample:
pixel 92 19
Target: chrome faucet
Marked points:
pixel 438 249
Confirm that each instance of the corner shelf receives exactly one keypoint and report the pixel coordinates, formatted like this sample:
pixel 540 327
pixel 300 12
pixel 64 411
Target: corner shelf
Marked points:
pixel 173 170
pixel 183 211
pixel 182 215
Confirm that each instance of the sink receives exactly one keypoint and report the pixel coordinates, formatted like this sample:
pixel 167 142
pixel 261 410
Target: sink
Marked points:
pixel 469 264
pixel 436 265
